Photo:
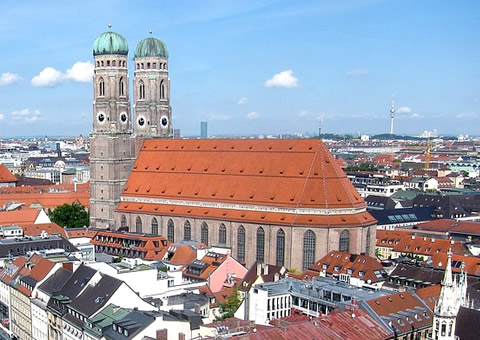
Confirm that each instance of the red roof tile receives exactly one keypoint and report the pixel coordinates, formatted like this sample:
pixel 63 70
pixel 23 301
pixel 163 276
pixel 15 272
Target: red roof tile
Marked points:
pixel 23 215
pixel 472 263
pixel 270 173
pixel 6 176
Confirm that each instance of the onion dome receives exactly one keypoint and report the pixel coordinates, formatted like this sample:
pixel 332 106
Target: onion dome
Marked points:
pixel 110 43
pixel 151 47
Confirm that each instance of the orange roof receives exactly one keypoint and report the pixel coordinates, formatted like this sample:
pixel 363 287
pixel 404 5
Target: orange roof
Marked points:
pixel 128 244
pixel 36 267
pixel 11 269
pixel 472 263
pixel 429 295
pixel 209 264
pixel 47 200
pixel 428 245
pixel 36 229
pixel 452 226
pixel 291 174
pixel 389 238
pixel 402 302
pixel 182 254
pixel 6 176
pixel 80 232
pixel 23 215
pixel 360 266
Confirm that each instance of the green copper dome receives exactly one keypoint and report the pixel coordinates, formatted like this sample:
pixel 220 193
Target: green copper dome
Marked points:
pixel 151 47
pixel 110 43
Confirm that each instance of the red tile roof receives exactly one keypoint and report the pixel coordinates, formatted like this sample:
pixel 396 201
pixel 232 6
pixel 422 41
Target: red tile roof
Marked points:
pixel 472 263
pixel 360 266
pixel 20 216
pixel 36 229
pixel 429 295
pixel 271 173
pixel 150 247
pixel 452 226
pixel 6 176
pixel 423 245
pixel 412 309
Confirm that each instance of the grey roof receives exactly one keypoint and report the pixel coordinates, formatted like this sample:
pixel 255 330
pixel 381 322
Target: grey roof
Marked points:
pixel 315 289
pixel 95 297
pixel 134 322
pixel 19 247
pixel 467 326
pixel 56 281
pixel 405 215
pixel 188 300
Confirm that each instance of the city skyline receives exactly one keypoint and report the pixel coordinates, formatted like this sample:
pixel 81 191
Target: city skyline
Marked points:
pixel 268 67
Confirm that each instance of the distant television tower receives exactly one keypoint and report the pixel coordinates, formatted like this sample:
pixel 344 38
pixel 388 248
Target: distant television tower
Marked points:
pixel 392 116
pixel 320 128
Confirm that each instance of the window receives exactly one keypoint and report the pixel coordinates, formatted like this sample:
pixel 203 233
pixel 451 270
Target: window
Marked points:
pixel 280 248
pixel 344 244
pixel 222 234
pixel 162 90
pixel 308 249
pixel 187 231
pixel 123 222
pixel 367 246
pixel 170 231
pixel 138 225
pixel 204 233
pixel 154 226
pixel 121 87
pixel 101 88
pixel 241 243
pixel 260 245
pixel 141 89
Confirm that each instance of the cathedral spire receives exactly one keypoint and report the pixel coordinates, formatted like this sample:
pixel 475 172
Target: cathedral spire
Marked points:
pixel 447 278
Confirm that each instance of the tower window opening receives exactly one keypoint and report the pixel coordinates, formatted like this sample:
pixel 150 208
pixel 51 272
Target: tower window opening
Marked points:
pixel 142 89
pixel 108 63
pixel 123 63
pixel 102 63
pixel 138 66
pixel 142 66
pixel 121 87
pixel 148 65
pixel 114 63
pixel 154 66
pixel 101 88
pixel 162 90
pixel 98 64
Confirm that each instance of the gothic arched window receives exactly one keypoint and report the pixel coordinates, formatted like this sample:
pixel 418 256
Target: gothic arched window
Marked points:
pixel 171 231
pixel 154 226
pixel 280 248
pixel 222 234
pixel 162 90
pixel 123 222
pixel 101 87
pixel 141 90
pixel 344 243
pixel 367 246
pixel 121 87
pixel 204 233
pixel 187 231
pixel 309 243
pixel 241 243
pixel 138 225
pixel 260 245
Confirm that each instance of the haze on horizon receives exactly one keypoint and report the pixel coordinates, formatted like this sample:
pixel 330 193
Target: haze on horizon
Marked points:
pixel 250 67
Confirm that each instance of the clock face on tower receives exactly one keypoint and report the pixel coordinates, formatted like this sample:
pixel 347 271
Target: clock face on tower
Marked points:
pixel 141 121
pixel 123 117
pixel 101 117
pixel 164 121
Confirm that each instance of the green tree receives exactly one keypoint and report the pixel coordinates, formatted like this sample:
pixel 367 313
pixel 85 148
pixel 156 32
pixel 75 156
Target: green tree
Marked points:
pixel 70 215
pixel 228 309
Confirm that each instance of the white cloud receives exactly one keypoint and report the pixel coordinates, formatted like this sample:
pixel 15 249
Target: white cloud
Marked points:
pixel 242 100
pixel 357 73
pixel 403 109
pixel 304 113
pixel 214 116
pixel 26 116
pixel 282 79
pixel 416 115
pixel 252 115
pixel 2 116
pixel 467 115
pixel 80 72
pixel 8 78
pixel 47 77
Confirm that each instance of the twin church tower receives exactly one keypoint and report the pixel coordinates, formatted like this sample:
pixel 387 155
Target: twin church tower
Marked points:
pixel 118 135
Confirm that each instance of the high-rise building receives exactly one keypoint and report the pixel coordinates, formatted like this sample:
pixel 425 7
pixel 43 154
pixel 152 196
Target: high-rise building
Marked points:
pixel 203 130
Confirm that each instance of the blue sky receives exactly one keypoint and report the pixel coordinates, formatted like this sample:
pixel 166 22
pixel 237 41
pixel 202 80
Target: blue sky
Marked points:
pixel 262 66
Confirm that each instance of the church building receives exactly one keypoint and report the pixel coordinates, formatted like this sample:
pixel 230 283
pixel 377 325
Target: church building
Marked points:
pixel 284 201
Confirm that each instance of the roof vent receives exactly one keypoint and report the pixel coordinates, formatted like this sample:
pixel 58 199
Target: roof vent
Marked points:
pixel 282 171
pixel 301 172
pixel 252 194
pixel 173 167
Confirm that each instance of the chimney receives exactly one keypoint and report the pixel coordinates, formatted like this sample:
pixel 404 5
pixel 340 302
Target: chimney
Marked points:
pixel 181 336
pixel 265 269
pixel 413 237
pixel 276 277
pixel 68 266
pixel 162 334
pixel 259 269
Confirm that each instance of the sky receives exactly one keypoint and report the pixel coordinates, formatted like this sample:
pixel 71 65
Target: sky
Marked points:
pixel 253 67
